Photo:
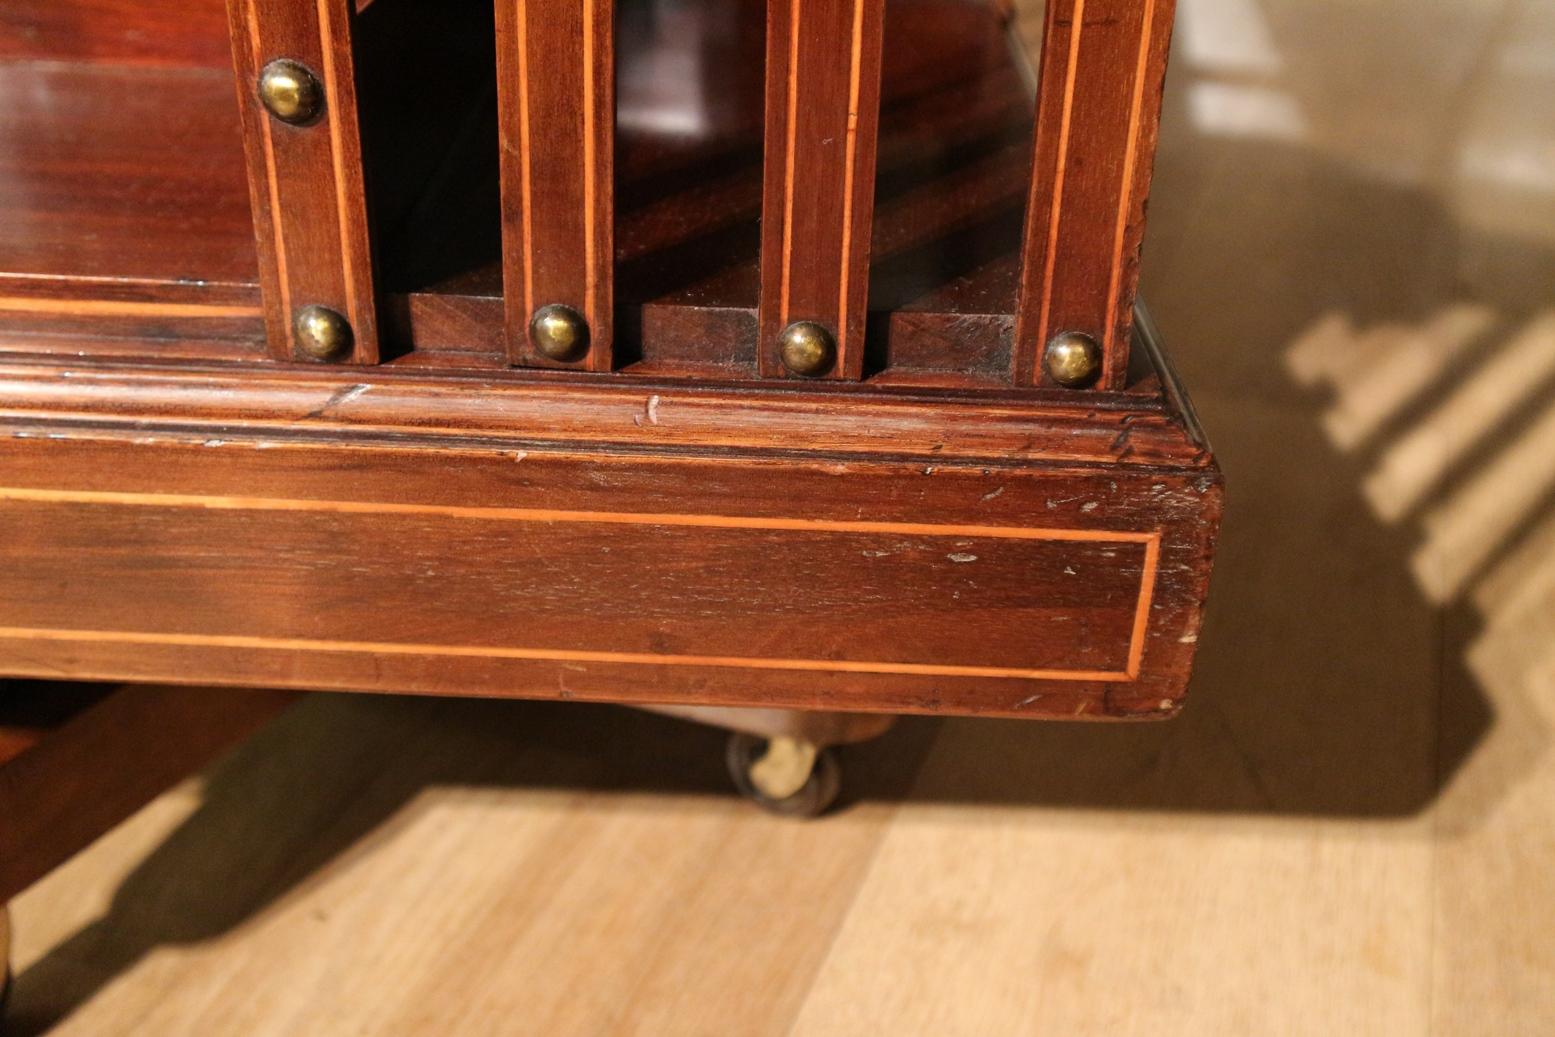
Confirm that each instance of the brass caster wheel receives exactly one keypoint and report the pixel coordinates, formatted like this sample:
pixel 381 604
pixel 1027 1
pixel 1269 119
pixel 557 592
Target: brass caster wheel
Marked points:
pixel 783 775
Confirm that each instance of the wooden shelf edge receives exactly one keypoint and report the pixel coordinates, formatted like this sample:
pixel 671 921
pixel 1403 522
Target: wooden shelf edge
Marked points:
pixel 578 413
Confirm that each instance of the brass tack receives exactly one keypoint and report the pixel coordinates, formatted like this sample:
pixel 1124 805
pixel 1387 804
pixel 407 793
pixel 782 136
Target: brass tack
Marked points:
pixel 290 91
pixel 1072 359
pixel 559 332
pixel 321 333
pixel 807 348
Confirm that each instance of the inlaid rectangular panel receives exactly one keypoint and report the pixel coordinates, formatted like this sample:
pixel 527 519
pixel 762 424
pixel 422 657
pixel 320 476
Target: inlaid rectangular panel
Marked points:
pixel 1098 112
pixel 306 180
pixel 865 585
pixel 822 121
pixel 672 589
pixel 556 101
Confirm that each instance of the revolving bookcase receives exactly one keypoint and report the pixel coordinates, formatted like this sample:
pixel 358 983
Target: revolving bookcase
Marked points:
pixel 777 364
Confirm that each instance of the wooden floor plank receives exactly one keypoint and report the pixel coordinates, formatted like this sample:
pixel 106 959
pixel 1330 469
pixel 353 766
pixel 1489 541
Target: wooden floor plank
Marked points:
pixel 565 869
pixel 1494 904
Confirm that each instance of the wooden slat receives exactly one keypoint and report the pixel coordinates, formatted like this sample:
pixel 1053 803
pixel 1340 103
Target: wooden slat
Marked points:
pixel 823 113
pixel 67 781
pixel 306 182
pixel 1098 112
pixel 556 93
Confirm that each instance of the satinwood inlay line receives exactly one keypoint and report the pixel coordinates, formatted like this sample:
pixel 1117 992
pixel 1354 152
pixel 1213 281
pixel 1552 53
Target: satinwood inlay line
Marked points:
pixel 1061 168
pixel 1151 542
pixel 1126 193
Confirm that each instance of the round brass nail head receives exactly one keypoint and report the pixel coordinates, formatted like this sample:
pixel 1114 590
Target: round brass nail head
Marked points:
pixel 1072 359
pixel 321 333
pixel 559 332
pixel 807 348
pixel 290 92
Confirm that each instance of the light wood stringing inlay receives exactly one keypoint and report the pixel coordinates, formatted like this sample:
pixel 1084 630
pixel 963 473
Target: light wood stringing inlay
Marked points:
pixel 1150 540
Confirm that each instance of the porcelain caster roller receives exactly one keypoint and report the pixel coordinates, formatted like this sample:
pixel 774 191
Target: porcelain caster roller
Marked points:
pixel 784 775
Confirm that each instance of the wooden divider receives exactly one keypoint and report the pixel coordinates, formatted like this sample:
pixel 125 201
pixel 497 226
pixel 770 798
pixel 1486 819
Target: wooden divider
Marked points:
pixel 1098 111
pixel 556 95
pixel 306 178
pixel 822 116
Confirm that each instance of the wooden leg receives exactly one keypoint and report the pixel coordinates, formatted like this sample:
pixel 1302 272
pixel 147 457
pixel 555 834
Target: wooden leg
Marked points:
pixel 782 759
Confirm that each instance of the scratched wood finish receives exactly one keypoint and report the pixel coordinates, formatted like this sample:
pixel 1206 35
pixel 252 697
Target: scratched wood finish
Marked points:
pixel 751 605
pixel 1098 112
pixel 307 183
pixel 822 117
pixel 556 96
pixel 1018 576
pixel 1053 427
pixel 82 760
pixel 781 592
pixel 929 538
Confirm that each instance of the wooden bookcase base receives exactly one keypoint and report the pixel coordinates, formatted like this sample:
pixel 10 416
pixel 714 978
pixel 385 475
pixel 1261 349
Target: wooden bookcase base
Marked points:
pixel 366 532
pixel 675 519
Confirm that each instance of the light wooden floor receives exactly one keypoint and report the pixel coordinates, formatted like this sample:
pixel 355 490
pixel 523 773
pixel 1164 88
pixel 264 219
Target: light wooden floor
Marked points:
pixel 1350 831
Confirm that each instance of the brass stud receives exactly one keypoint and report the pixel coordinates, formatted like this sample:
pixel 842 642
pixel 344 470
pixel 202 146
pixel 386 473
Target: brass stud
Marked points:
pixel 559 332
pixel 290 92
pixel 321 333
pixel 1072 359
pixel 807 348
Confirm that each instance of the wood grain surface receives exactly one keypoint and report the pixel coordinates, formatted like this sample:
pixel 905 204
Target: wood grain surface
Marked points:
pixel 556 99
pixel 586 575
pixel 1098 111
pixel 160 33
pixel 822 117
pixel 120 221
pixel 307 183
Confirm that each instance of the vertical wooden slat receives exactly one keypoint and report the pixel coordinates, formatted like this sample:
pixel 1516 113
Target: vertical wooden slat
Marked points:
pixel 306 182
pixel 1098 111
pixel 822 118
pixel 556 94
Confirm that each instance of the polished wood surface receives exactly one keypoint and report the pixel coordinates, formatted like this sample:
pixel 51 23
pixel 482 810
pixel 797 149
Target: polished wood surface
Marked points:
pixel 160 33
pixel 307 182
pixel 669 524
pixel 123 225
pixel 1020 587
pixel 955 125
pixel 1103 69
pixel 954 160
pixel 822 117
pixel 556 93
